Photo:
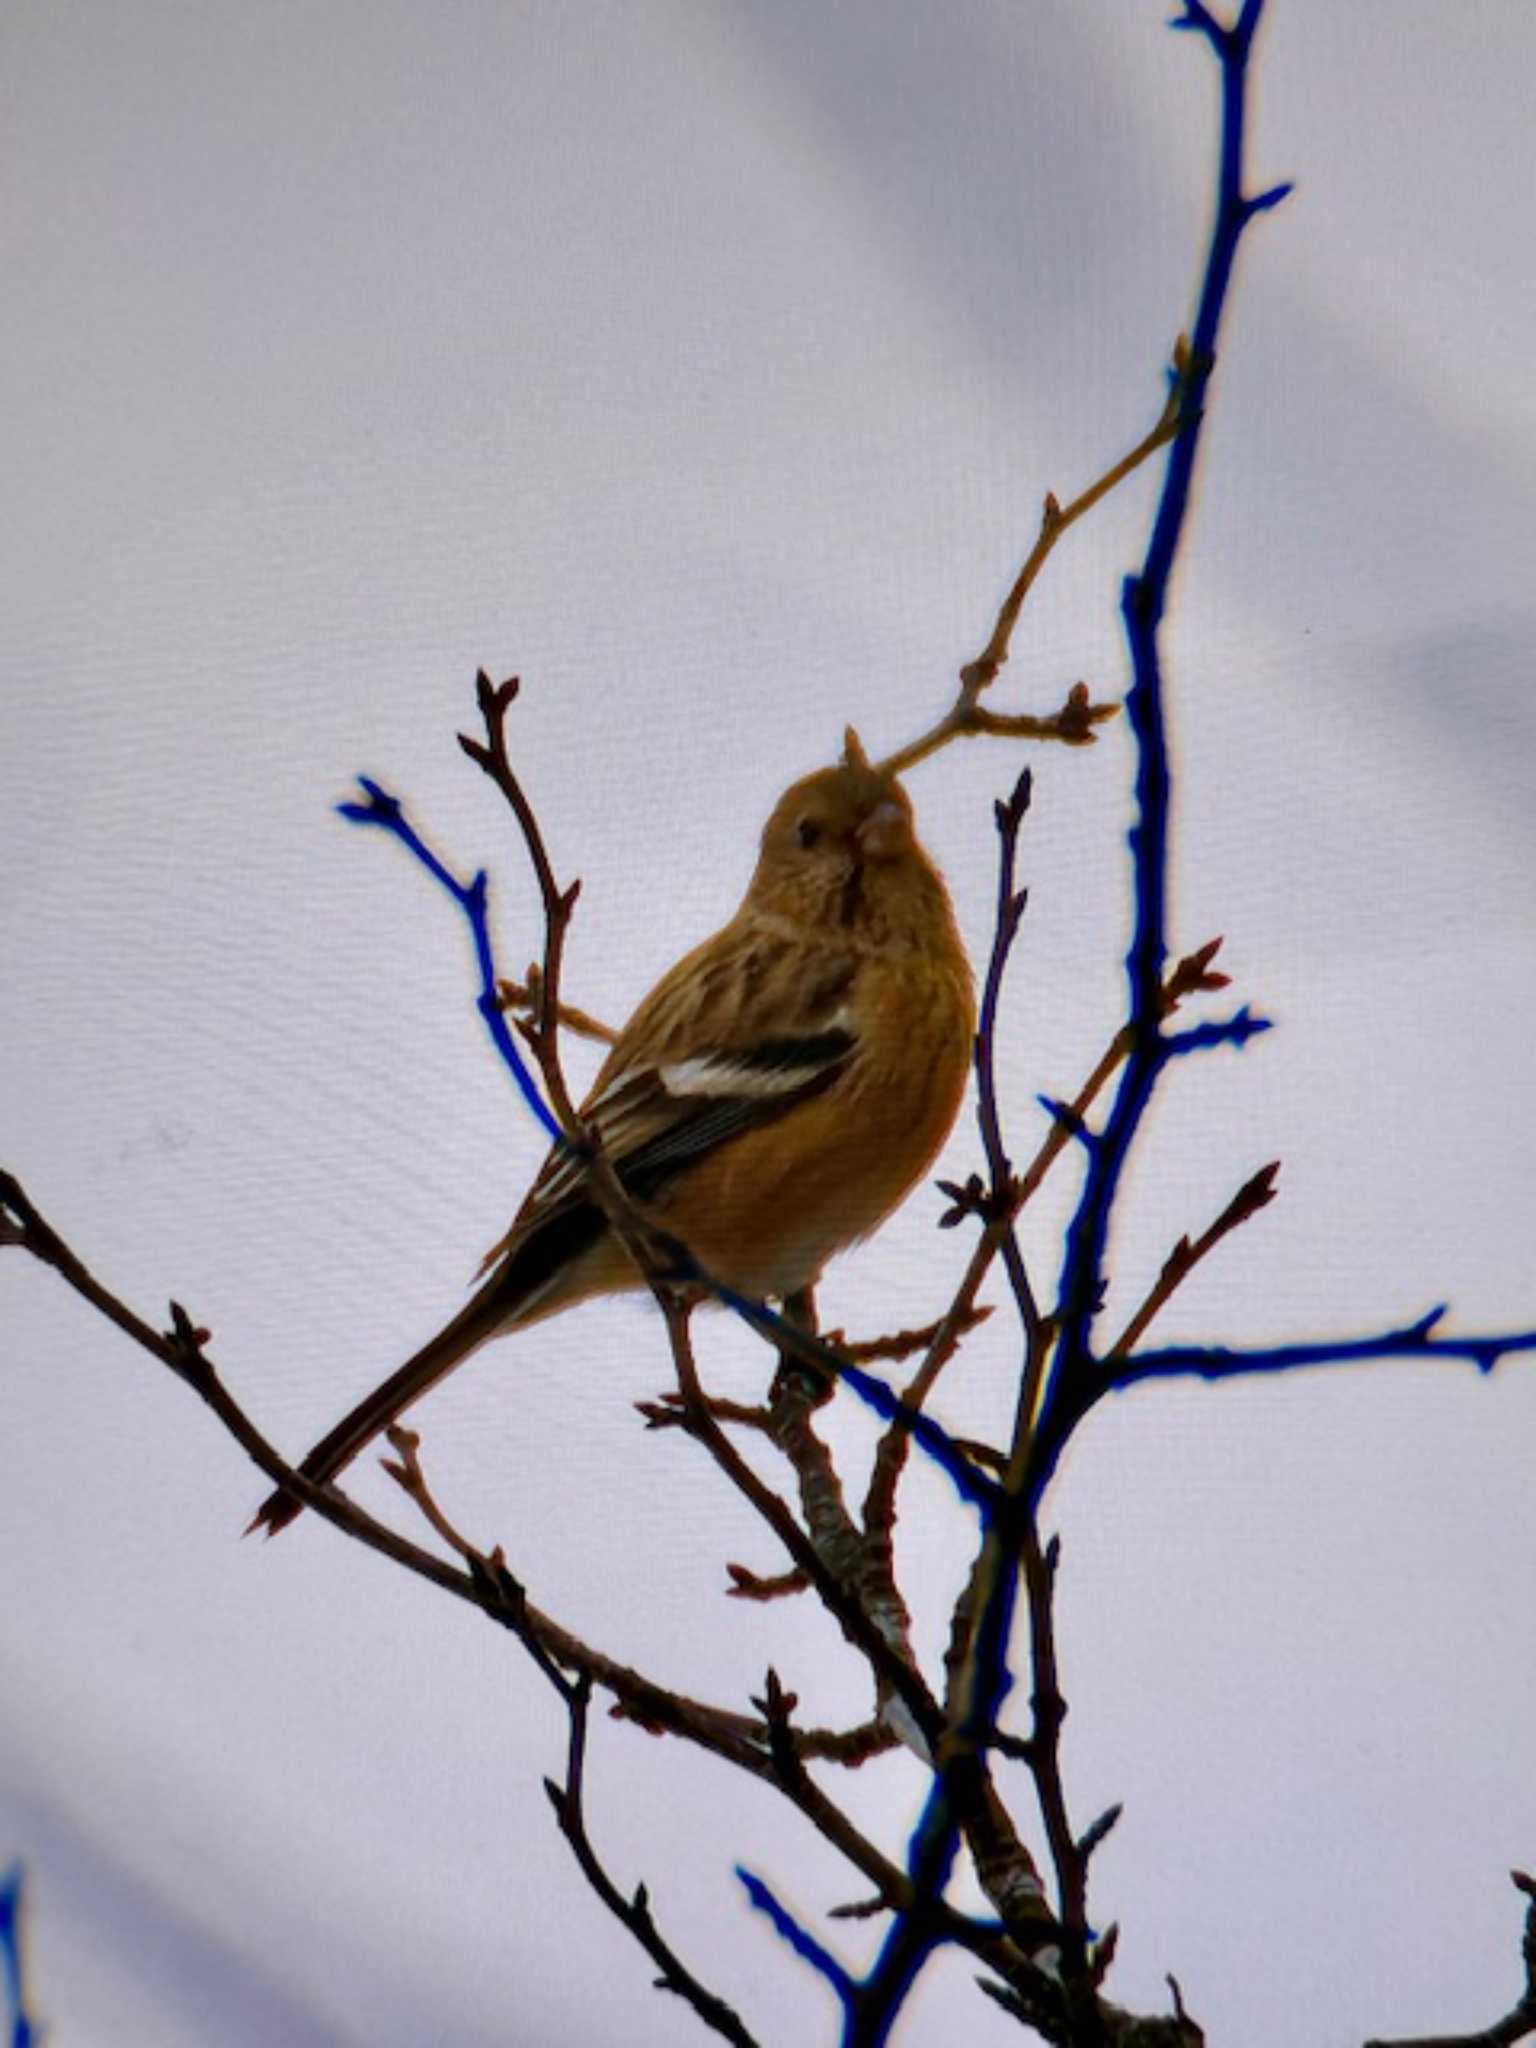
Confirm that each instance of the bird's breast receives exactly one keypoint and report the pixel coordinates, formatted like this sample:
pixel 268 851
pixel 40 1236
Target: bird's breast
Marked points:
pixel 767 1212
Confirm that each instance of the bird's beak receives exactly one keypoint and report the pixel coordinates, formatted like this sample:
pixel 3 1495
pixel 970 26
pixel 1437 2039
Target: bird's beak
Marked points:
pixel 885 832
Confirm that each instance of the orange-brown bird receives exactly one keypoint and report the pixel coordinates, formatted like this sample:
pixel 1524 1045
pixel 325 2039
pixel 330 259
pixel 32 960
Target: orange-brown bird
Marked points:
pixel 771 1101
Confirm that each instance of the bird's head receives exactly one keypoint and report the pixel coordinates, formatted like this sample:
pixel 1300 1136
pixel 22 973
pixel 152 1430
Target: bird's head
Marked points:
pixel 840 849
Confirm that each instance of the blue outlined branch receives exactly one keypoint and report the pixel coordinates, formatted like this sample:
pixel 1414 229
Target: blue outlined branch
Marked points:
pixel 386 811
pixel 1413 1341
pixel 21 2029
pixel 983 1679
pixel 973 1487
pixel 1235 1030
pixel 963 1730
pixel 987 1678
pixel 800 1939
pixel 1143 601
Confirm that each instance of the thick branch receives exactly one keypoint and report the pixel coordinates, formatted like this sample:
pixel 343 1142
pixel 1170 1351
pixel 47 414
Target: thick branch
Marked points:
pixel 738 1738
pixel 889 1664
pixel 1143 600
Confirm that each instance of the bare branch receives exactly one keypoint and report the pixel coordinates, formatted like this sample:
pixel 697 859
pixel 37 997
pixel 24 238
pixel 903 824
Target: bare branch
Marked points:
pixel 841 1600
pixel 1073 725
pixel 668 1411
pixel 1076 720
pixel 903 1343
pixel 1191 976
pixel 747 1585
pixel 542 1032
pixel 1255 1194
pixel 1519 2023
pixel 737 1738
pixel 852 1559
pixel 1069 1855
pixel 633 1913
pixel 1056 518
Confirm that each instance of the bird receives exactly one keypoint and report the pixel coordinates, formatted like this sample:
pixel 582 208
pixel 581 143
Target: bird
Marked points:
pixel 773 1099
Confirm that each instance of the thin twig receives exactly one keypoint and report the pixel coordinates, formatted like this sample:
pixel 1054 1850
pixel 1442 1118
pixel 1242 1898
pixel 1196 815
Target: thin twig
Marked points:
pixel 902 1344
pixel 1255 1194
pixel 737 1738
pixel 525 999
pixel 1519 2023
pixel 1073 725
pixel 889 1665
pixel 495 700
pixel 1192 975
pixel 668 1411
pixel 1056 518
pixel 568 1801
pixel 1075 722
pixel 1049 1710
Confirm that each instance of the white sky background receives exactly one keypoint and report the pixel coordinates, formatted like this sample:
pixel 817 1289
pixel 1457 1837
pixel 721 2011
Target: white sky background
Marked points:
pixel 706 365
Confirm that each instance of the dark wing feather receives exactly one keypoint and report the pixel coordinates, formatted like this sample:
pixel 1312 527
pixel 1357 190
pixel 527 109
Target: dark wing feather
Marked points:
pixel 657 1120
pixel 702 1119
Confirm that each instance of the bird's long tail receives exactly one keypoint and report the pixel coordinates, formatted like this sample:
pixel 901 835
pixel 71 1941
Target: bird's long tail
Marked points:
pixel 487 1311
pixel 535 1272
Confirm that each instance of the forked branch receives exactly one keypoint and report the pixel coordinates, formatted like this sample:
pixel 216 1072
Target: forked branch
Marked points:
pixel 1074 723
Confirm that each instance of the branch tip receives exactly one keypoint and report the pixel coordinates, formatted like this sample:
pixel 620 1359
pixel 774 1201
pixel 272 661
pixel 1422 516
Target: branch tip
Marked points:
pixel 1096 1831
pixel 1102 1954
pixel 859 1909
pixel 1263 202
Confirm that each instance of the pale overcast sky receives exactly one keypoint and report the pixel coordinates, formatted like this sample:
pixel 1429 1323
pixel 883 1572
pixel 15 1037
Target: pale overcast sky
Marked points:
pixel 706 364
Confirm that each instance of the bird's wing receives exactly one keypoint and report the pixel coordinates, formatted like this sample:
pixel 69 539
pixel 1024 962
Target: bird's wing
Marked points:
pixel 654 1120
pixel 739 1032
pixel 661 1119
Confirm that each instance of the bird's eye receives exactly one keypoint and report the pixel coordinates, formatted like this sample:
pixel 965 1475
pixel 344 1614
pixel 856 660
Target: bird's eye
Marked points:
pixel 809 832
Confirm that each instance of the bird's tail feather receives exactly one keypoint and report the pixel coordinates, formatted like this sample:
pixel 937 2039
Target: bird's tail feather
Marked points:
pixel 478 1319
pixel 515 1292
